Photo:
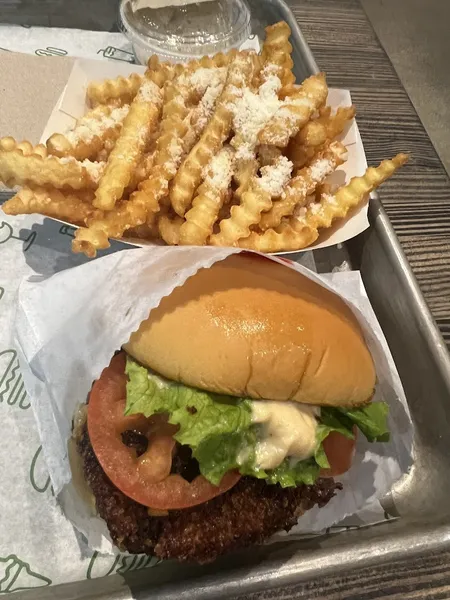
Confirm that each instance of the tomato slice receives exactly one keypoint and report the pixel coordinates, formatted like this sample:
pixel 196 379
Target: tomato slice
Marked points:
pixel 340 452
pixel 146 479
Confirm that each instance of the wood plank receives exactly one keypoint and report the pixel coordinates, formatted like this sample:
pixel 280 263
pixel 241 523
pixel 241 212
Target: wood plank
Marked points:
pixel 83 14
pixel 417 199
pixel 426 578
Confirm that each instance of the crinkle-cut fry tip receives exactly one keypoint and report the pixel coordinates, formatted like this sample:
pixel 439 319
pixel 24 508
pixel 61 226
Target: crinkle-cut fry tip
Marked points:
pixel 401 159
pixel 88 240
pixel 83 247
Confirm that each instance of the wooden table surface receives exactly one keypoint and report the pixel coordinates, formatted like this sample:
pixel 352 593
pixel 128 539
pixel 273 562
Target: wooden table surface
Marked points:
pixel 417 201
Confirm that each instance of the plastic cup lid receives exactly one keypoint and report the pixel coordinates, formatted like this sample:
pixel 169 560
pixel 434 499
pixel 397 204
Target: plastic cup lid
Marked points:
pixel 192 29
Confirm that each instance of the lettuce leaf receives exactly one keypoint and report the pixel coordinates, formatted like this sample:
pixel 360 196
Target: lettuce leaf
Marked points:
pixel 195 411
pixel 328 423
pixel 292 474
pixel 220 432
pixel 216 427
pixel 218 454
pixel 372 420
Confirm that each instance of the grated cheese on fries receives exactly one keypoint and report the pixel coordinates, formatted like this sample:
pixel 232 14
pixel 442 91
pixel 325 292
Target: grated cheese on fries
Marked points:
pixel 225 150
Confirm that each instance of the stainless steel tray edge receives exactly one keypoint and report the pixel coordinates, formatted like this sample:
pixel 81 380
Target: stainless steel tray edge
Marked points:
pixel 327 558
pixel 255 572
pixel 422 360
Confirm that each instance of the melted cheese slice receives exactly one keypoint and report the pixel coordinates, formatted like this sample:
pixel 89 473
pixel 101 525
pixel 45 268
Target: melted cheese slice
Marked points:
pixel 287 429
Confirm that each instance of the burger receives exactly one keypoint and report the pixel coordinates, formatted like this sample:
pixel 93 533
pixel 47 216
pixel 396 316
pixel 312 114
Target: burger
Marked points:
pixel 229 412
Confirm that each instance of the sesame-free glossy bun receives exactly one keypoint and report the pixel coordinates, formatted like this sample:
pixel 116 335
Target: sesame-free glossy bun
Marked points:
pixel 250 327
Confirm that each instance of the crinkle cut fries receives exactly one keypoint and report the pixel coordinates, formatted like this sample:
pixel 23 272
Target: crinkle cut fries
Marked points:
pixel 225 150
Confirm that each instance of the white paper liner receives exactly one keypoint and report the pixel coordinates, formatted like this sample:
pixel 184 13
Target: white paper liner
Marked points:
pixel 69 326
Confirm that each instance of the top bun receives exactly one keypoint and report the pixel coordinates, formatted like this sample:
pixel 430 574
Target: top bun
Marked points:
pixel 250 327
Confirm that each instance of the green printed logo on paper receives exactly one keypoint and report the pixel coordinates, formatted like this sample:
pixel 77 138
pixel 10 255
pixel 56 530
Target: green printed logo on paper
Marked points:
pixel 101 565
pixel 67 230
pixel 51 51
pixel 39 477
pixel 7 233
pixel 339 529
pixel 117 54
pixel 12 390
pixel 15 575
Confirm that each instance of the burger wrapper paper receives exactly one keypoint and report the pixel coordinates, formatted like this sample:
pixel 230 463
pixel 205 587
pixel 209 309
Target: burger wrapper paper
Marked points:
pixel 69 326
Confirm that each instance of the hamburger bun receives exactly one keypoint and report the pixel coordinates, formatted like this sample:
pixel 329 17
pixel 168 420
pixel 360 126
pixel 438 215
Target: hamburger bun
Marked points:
pixel 250 327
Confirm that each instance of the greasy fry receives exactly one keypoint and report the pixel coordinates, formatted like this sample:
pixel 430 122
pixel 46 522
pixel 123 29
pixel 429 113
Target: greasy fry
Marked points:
pixel 118 91
pixel 61 173
pixel 316 133
pixel 90 133
pixel 189 175
pixel 282 239
pixel 170 148
pixel 9 143
pixel 295 111
pixel 169 228
pixel 221 150
pixel 331 207
pixel 302 229
pixel 244 173
pixel 210 197
pixel 326 127
pixel 251 112
pixel 51 203
pixel 254 201
pixel 276 54
pixel 211 62
pixel 144 203
pixel 202 113
pixel 142 172
pixel 130 146
pixel 303 184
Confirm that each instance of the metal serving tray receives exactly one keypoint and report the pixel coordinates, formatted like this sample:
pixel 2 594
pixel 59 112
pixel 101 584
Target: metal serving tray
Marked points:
pixel 421 500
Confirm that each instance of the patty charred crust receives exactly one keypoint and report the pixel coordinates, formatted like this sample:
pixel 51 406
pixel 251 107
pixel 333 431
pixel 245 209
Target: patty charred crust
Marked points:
pixel 247 514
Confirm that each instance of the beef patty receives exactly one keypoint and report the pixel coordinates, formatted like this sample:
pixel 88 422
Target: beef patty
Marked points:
pixel 249 513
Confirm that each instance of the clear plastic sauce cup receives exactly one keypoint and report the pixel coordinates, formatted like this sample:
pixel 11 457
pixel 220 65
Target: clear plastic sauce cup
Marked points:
pixel 179 33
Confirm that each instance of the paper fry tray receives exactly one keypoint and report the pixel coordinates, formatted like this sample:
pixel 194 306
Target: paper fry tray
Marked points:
pixel 72 105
